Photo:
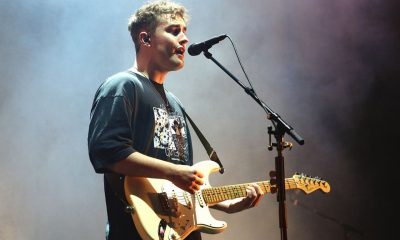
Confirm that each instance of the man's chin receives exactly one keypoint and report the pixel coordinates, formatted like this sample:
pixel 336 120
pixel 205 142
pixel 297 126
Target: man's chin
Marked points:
pixel 178 66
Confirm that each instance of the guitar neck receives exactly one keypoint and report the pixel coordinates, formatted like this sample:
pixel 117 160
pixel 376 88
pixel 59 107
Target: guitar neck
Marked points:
pixel 218 194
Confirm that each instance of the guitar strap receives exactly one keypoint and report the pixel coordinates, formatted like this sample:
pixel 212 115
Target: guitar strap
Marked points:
pixel 212 154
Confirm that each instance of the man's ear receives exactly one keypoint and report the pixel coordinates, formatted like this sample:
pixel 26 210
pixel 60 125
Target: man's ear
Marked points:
pixel 144 38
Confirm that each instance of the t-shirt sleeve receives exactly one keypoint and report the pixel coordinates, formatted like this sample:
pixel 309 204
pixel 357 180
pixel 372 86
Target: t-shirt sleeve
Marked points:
pixel 110 134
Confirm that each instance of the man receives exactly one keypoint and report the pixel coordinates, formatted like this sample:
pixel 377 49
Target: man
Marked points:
pixel 138 129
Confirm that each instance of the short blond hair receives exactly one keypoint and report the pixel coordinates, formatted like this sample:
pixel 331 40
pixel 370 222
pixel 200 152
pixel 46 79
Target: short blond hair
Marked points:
pixel 150 15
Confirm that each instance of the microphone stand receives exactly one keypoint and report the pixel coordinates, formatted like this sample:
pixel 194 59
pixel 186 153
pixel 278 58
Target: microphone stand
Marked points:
pixel 281 127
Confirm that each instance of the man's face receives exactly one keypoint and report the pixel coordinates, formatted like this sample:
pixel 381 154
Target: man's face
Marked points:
pixel 168 45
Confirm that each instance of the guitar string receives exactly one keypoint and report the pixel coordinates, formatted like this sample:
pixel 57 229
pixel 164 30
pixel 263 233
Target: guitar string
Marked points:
pixel 233 189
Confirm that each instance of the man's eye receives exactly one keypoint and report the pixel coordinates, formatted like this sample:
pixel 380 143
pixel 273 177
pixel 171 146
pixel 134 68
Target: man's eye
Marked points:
pixel 176 31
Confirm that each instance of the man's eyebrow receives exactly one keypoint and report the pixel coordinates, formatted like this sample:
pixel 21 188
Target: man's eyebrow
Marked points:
pixel 177 25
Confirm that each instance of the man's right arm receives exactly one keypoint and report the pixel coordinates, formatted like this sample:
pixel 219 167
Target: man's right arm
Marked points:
pixel 140 165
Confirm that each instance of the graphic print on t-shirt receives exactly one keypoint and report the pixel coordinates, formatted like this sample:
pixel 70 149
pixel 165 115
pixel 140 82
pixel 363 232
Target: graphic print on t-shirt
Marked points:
pixel 170 134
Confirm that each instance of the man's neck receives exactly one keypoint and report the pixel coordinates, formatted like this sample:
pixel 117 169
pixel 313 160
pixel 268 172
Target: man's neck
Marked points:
pixel 152 74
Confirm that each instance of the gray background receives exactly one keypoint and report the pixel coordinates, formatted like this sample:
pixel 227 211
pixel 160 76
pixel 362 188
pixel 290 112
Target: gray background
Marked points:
pixel 329 68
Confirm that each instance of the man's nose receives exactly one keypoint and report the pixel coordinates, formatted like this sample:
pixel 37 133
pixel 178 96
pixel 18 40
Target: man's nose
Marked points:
pixel 184 39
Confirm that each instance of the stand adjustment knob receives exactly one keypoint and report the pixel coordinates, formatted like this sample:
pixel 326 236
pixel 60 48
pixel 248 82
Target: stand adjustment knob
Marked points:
pixel 288 145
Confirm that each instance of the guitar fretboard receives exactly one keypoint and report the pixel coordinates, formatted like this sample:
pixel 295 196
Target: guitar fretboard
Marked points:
pixel 218 194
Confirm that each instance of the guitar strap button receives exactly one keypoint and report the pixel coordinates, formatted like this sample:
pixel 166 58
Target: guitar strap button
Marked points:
pixel 129 209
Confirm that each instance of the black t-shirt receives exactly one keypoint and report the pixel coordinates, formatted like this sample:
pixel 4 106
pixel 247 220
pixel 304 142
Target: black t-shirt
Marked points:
pixel 129 114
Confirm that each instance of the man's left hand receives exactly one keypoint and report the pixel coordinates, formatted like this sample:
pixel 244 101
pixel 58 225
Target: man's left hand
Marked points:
pixel 254 195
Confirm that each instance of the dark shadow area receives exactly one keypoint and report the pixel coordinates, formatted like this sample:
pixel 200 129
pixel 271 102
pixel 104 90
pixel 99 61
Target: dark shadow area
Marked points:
pixel 373 139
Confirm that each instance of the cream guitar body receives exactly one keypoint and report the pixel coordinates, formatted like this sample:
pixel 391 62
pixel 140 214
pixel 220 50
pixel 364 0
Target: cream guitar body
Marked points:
pixel 164 211
pixel 161 208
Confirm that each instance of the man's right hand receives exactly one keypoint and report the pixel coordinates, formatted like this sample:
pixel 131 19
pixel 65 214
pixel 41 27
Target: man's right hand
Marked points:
pixel 187 178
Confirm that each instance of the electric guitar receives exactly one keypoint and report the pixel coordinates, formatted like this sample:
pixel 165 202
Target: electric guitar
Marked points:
pixel 163 211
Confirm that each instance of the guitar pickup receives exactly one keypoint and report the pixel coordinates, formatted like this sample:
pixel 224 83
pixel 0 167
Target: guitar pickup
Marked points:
pixel 188 201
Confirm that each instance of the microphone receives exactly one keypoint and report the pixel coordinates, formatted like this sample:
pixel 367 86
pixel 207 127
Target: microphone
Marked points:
pixel 196 48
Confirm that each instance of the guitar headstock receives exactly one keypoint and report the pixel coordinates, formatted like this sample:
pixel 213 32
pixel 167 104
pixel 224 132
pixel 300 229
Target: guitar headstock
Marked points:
pixel 310 184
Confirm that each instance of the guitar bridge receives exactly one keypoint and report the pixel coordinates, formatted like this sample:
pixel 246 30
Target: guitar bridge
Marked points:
pixel 170 205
